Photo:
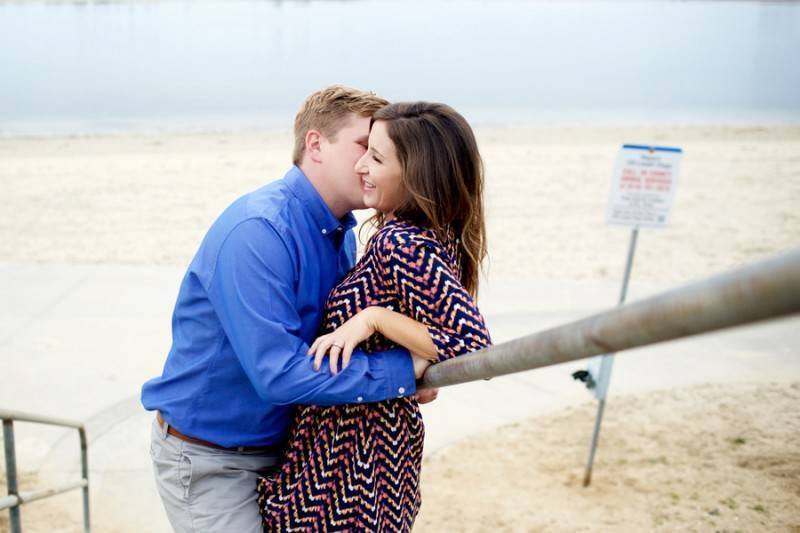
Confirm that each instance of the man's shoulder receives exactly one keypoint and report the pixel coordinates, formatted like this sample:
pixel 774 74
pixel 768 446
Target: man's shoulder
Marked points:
pixel 270 206
pixel 273 204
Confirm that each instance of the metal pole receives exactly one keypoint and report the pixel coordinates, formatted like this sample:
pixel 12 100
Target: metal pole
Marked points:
pixel 20 416
pixel 587 477
pixel 608 360
pixel 85 475
pixel 11 473
pixel 629 265
pixel 760 291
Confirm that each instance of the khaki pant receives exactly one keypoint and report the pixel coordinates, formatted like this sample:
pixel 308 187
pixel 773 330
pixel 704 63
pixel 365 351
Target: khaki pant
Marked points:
pixel 205 489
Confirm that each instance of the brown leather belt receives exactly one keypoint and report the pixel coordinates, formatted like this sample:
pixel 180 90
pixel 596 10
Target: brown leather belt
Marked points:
pixel 186 438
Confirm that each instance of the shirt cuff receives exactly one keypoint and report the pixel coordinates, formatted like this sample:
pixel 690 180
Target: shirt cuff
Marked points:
pixel 398 369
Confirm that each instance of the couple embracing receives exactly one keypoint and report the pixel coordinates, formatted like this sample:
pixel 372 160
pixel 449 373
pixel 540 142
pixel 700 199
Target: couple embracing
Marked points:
pixel 288 399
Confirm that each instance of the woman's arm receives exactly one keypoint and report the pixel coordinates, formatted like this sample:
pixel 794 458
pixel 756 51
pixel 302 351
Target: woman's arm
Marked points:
pixel 443 319
pixel 396 327
pixel 431 293
pixel 403 330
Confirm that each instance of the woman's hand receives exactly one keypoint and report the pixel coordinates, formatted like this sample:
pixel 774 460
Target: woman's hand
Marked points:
pixel 420 365
pixel 344 340
pixel 425 396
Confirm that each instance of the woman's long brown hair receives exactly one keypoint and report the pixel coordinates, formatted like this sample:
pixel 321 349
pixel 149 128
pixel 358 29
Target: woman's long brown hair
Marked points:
pixel 443 174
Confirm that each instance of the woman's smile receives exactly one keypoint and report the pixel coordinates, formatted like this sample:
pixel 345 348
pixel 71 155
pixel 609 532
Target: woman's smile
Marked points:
pixel 367 185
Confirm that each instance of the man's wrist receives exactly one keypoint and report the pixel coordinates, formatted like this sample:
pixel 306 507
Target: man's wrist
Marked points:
pixel 398 369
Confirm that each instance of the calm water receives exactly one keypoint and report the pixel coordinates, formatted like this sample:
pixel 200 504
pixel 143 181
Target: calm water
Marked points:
pixel 84 67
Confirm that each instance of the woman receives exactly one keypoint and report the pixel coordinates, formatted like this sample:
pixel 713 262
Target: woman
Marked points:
pixel 356 467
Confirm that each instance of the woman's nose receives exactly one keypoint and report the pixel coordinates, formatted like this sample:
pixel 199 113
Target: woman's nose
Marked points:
pixel 361 166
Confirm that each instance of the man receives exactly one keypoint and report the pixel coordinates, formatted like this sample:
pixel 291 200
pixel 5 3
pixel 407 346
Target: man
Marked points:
pixel 248 308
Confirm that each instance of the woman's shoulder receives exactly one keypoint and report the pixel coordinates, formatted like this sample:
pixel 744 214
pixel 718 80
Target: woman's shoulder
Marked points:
pixel 403 237
pixel 399 232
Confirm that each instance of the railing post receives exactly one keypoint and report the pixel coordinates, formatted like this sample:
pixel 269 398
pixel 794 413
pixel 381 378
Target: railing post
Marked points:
pixel 85 475
pixel 15 499
pixel 11 473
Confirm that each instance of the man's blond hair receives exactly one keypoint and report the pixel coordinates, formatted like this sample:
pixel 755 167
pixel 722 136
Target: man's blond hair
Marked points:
pixel 327 111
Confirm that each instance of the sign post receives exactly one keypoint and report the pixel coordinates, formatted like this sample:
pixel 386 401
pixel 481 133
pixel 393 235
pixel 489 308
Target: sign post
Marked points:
pixel 642 190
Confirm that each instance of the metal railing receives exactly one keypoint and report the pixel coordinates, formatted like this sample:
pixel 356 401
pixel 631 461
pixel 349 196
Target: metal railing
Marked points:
pixel 15 498
pixel 764 290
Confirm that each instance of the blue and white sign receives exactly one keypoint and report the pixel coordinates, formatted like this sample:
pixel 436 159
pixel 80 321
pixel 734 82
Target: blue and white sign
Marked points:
pixel 643 185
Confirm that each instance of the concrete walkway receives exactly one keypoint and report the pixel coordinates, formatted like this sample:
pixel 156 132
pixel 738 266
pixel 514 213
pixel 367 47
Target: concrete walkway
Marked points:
pixel 78 341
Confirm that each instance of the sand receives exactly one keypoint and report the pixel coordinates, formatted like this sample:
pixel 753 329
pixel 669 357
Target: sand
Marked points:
pixel 705 458
pixel 149 199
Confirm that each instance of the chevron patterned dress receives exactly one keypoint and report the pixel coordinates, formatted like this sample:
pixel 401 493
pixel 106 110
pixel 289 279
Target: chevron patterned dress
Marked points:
pixel 356 467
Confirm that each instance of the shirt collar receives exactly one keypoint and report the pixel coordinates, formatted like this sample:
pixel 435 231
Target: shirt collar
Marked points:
pixel 328 224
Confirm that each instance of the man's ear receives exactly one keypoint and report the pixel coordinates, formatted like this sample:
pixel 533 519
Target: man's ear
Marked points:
pixel 314 145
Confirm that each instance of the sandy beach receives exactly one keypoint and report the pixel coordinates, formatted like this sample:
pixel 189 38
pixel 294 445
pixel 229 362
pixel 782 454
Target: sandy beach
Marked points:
pixel 707 458
pixel 149 199
pixel 702 458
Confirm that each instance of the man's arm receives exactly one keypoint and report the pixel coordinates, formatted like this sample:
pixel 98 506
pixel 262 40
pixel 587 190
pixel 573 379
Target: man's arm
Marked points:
pixel 252 291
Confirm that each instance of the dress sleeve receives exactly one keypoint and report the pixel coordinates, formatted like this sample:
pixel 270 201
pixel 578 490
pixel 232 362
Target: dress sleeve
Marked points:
pixel 430 293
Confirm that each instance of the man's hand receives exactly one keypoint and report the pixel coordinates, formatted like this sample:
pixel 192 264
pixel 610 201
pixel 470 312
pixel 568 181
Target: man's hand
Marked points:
pixel 425 396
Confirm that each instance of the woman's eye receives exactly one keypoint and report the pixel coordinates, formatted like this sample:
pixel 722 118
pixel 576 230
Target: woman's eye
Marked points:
pixel 376 159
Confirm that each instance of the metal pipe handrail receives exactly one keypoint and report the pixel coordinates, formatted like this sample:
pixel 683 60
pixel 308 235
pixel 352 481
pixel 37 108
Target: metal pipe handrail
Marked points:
pixel 33 495
pixel 15 497
pixel 20 416
pixel 8 501
pixel 762 290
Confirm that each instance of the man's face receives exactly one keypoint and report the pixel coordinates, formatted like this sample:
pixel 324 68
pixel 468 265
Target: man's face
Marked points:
pixel 339 160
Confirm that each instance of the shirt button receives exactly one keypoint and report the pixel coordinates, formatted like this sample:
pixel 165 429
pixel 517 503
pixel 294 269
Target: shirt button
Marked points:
pixel 339 228
pixel 360 399
pixel 324 231
pixel 401 390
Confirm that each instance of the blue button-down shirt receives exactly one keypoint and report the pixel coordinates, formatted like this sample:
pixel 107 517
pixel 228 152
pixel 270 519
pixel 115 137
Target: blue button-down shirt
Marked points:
pixel 249 305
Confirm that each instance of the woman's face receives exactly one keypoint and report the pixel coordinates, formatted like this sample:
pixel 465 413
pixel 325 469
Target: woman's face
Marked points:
pixel 381 173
